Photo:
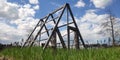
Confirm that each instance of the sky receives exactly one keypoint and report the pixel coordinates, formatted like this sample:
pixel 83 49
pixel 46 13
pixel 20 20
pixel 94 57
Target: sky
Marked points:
pixel 18 16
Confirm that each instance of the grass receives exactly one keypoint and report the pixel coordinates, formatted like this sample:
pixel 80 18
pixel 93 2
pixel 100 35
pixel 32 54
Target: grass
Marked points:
pixel 35 53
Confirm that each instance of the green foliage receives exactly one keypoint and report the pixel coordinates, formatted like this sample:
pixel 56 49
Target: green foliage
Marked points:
pixel 36 53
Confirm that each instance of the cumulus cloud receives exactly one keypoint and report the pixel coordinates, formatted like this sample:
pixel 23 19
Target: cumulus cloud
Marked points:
pixel 89 26
pixel 79 4
pixel 33 1
pixel 101 3
pixel 6 28
pixel 92 17
pixel 36 7
pixel 8 10
pixel 15 20
pixel 26 12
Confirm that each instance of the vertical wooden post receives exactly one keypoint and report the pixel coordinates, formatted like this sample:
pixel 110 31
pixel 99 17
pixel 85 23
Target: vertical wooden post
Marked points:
pixel 53 41
pixel 68 37
pixel 39 38
pixel 76 39
pixel 68 31
pixel 59 45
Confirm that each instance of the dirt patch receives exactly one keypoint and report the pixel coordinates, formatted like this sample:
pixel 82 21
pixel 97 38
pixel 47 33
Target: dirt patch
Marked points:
pixel 5 58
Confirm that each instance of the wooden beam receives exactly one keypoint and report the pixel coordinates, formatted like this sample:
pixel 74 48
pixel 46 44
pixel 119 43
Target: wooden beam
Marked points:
pixel 76 39
pixel 68 30
pixel 65 24
pixel 58 9
pixel 72 28
pixel 53 41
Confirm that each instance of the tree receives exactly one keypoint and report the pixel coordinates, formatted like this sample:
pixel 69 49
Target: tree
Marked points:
pixel 110 27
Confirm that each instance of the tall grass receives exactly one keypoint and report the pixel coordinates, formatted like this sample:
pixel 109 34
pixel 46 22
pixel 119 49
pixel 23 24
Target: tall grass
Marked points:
pixel 35 53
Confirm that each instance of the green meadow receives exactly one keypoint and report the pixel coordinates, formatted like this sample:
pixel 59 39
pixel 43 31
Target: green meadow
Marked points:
pixel 36 53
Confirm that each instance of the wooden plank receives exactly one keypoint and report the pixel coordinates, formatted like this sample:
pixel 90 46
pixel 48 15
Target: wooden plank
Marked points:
pixel 65 24
pixel 53 41
pixel 76 40
pixel 68 30
pixel 72 28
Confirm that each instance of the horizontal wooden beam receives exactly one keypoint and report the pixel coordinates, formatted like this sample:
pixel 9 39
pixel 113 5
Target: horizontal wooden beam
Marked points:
pixel 48 20
pixel 64 25
pixel 58 27
pixel 73 28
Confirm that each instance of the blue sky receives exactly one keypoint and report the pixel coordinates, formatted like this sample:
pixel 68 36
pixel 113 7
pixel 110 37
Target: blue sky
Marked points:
pixel 16 15
pixel 53 4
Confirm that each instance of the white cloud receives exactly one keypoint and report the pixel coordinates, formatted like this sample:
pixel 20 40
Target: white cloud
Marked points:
pixel 33 1
pixel 36 7
pixel 8 10
pixel 92 17
pixel 79 4
pixel 26 12
pixel 15 20
pixel 89 26
pixel 101 3
pixel 5 32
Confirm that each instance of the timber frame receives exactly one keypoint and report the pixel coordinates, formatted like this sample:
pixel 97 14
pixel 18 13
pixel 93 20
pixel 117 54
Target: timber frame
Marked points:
pixel 55 30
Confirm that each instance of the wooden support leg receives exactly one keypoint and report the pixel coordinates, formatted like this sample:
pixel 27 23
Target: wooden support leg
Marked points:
pixel 76 39
pixel 53 41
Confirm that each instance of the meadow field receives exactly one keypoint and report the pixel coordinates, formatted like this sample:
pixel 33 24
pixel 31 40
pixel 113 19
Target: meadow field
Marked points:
pixel 36 53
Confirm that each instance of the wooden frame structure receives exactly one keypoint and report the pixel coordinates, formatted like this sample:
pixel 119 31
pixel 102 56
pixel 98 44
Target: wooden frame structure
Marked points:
pixel 55 30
